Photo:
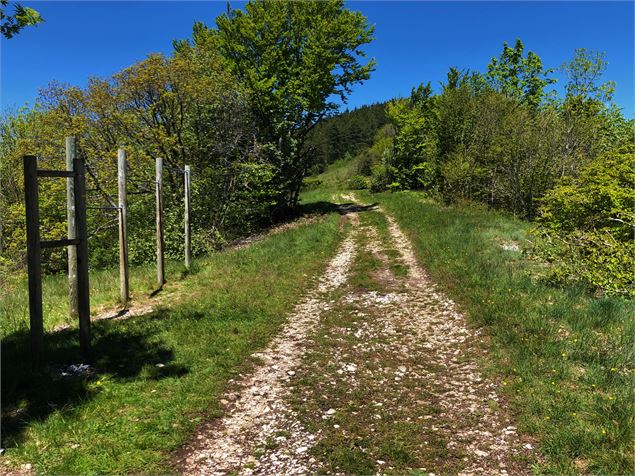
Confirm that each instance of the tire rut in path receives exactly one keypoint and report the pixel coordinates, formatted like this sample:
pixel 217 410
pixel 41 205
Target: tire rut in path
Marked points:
pixel 392 384
pixel 259 411
pixel 478 423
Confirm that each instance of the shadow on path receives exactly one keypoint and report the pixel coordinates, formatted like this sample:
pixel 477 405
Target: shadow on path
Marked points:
pixel 329 207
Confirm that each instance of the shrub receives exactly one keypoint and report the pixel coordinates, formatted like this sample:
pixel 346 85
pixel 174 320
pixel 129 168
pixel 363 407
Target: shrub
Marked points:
pixel 365 162
pixel 586 224
pixel 380 178
pixel 358 182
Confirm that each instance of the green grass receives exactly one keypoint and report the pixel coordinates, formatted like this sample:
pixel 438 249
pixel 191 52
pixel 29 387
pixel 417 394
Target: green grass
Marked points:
pixel 104 292
pixel 157 375
pixel 336 175
pixel 564 357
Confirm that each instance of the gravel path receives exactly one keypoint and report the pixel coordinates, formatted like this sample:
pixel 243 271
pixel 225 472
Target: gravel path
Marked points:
pixel 260 412
pixel 405 351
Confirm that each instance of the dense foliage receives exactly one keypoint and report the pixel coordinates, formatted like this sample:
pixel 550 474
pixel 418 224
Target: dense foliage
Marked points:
pixel 502 139
pixel 293 59
pixel 587 223
pixel 236 103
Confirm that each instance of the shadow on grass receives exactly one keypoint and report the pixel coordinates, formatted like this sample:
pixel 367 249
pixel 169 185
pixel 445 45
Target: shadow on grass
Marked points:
pixel 121 353
pixel 323 208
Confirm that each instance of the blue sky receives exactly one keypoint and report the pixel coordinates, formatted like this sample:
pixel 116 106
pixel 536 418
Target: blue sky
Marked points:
pixel 415 41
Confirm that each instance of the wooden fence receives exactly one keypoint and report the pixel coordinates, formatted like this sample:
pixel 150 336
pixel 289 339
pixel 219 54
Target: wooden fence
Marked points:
pixel 77 241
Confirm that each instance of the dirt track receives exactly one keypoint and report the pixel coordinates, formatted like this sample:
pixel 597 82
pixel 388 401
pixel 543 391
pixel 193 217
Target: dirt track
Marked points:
pixel 399 354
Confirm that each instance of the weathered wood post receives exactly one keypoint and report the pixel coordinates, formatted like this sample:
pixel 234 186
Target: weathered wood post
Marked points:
pixel 33 258
pixel 188 242
pixel 83 289
pixel 159 217
pixel 71 153
pixel 124 290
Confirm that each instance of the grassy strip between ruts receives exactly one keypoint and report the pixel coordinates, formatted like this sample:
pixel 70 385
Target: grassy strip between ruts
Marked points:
pixel 157 374
pixel 368 420
pixel 564 358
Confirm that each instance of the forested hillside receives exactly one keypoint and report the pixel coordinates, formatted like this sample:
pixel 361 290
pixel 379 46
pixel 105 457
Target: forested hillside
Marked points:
pixel 345 135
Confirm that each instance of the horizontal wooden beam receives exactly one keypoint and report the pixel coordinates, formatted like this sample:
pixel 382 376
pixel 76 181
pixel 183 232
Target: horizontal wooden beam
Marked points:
pixel 55 173
pixel 103 208
pixel 56 243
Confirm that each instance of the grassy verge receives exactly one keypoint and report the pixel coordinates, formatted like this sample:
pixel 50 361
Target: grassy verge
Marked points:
pixel 564 357
pixel 104 292
pixel 335 176
pixel 155 375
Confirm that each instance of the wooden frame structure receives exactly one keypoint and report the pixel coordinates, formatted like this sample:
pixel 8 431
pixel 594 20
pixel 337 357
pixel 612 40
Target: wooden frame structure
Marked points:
pixel 77 240
pixel 187 186
pixel 35 245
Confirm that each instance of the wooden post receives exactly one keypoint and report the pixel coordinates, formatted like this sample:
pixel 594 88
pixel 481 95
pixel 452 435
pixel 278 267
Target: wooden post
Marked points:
pixel 33 258
pixel 159 218
pixel 71 230
pixel 123 227
pixel 188 242
pixel 83 289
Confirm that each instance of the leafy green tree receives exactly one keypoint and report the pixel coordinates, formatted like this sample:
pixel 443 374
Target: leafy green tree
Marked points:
pixel 293 58
pixel 186 111
pixel 11 24
pixel 454 79
pixel 584 72
pixel 413 162
pixel 519 77
pixel 591 125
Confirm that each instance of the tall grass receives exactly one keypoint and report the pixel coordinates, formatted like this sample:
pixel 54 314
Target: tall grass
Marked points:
pixel 336 175
pixel 564 358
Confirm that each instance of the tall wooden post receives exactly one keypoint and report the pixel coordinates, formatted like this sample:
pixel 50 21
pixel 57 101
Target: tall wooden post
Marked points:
pixel 71 153
pixel 33 258
pixel 188 242
pixel 159 217
pixel 83 289
pixel 123 227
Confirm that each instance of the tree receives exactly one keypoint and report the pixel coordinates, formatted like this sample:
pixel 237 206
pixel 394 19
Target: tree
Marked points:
pixel 293 58
pixel 584 72
pixel 590 123
pixel 186 110
pixel 413 164
pixel 22 16
pixel 518 77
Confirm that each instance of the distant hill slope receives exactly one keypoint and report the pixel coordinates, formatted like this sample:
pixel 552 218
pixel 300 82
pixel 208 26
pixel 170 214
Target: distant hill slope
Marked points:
pixel 347 133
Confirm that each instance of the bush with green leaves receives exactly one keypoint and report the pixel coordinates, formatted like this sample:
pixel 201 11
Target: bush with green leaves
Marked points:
pixel 358 182
pixel 503 140
pixel 586 224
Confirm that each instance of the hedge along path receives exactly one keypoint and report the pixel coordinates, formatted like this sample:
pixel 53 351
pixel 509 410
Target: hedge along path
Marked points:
pixel 366 381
